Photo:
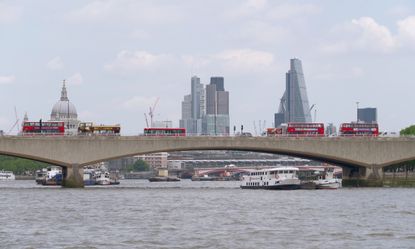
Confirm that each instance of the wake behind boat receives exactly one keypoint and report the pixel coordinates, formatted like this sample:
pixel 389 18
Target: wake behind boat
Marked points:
pixel 274 178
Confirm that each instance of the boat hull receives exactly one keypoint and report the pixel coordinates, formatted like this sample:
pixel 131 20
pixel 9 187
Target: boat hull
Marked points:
pixel 163 179
pixel 274 187
pixel 329 184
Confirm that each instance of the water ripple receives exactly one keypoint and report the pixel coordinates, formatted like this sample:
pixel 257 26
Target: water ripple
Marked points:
pixel 139 214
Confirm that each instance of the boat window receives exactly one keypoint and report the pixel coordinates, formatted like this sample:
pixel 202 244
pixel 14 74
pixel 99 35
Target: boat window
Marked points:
pixel 285 171
pixel 290 171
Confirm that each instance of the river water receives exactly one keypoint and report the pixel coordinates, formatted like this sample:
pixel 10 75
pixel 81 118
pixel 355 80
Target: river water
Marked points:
pixel 186 214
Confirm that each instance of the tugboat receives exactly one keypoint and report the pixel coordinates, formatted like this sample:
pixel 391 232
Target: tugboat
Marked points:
pixel 282 178
pixel 103 177
pixel 53 176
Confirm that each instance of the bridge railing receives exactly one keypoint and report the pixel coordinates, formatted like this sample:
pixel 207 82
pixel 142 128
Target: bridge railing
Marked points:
pixel 344 136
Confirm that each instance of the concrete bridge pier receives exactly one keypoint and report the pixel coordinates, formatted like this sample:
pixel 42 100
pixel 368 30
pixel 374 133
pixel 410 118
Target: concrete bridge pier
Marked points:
pixel 363 176
pixel 73 176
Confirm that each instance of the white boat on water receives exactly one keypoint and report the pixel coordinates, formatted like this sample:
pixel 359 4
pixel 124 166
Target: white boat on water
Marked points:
pixel 103 178
pixel 7 175
pixel 273 178
pixel 327 180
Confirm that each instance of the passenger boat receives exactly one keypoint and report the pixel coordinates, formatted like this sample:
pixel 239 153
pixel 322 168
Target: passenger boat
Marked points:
pixel 7 175
pixel 273 178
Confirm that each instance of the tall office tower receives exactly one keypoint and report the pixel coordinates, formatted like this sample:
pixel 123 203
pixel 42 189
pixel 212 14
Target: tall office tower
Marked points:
pixel 219 82
pixel 196 89
pixel 216 120
pixel 294 105
pixel 367 115
pixel 193 108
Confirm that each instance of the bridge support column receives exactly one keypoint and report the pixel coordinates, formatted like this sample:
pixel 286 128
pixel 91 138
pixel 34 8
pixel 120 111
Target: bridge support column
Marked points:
pixel 363 177
pixel 73 176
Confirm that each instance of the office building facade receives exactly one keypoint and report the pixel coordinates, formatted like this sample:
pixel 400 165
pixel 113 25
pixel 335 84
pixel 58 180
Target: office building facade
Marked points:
pixel 367 115
pixel 294 106
pixel 216 121
pixel 193 108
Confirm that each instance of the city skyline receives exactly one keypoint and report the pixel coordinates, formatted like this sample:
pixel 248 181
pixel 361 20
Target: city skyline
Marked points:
pixel 205 111
pixel 118 58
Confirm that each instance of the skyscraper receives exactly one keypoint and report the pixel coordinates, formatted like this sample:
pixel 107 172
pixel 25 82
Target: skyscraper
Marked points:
pixel 367 115
pixel 193 108
pixel 216 120
pixel 294 105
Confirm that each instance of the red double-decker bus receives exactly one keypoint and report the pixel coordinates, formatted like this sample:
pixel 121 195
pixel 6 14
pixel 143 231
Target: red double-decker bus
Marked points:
pixel 175 132
pixel 359 129
pixel 44 128
pixel 305 129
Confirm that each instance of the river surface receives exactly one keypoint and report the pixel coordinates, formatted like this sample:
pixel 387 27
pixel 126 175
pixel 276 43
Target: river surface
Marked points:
pixel 186 214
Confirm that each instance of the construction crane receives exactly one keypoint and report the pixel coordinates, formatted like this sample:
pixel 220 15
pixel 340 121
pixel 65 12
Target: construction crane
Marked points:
pixel 152 110
pixel 315 111
pixel 15 123
pixel 145 116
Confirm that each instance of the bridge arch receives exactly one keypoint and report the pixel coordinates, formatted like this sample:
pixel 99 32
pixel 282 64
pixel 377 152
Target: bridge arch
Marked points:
pixel 34 158
pixel 317 157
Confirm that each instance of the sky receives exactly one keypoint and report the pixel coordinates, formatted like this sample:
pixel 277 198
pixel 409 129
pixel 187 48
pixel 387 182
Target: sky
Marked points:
pixel 119 56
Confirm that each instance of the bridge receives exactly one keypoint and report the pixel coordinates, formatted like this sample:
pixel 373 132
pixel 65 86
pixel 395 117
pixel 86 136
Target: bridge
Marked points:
pixel 362 158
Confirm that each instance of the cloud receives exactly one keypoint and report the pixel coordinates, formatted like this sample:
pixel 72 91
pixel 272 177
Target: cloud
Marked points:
pixel 286 11
pixel 406 29
pixel 111 11
pixel 269 10
pixel 329 72
pixel 263 32
pixel 245 59
pixel 235 60
pixel 4 80
pixel 55 63
pixel 374 35
pixel 75 79
pixel 9 13
pixel 399 10
pixel 127 61
pixel 364 35
pixel 138 102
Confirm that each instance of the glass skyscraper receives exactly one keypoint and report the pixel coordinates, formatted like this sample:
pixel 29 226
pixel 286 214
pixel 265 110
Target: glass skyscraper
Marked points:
pixel 294 105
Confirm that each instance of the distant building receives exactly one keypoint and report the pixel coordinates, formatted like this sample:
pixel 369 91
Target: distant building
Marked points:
pixel 331 129
pixel 294 106
pixel 163 124
pixel 155 160
pixel 367 115
pixel 206 110
pixel 193 108
pixel 216 121
pixel 64 110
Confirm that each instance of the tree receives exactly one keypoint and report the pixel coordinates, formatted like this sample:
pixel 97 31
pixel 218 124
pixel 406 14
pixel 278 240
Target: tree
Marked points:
pixel 140 165
pixel 408 131
pixel 19 165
